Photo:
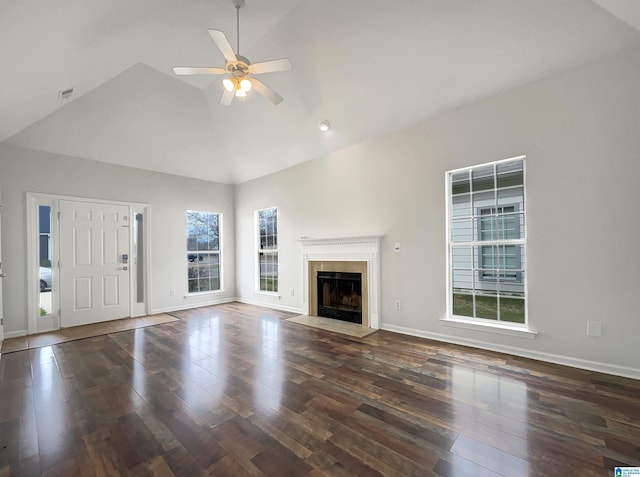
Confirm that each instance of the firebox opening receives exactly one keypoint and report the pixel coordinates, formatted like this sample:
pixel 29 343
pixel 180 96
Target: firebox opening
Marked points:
pixel 340 296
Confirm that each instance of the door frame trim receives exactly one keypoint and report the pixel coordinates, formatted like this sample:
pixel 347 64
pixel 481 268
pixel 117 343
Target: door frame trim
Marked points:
pixel 33 200
pixel 1 301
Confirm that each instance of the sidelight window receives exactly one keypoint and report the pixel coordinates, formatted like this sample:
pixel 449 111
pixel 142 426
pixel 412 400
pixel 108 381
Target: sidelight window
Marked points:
pixel 44 259
pixel 267 253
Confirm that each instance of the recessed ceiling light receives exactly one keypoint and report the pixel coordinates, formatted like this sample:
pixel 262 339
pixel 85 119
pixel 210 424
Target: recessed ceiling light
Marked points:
pixel 325 126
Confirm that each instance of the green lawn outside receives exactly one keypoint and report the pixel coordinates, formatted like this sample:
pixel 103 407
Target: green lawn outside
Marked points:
pixel 511 309
pixel 269 284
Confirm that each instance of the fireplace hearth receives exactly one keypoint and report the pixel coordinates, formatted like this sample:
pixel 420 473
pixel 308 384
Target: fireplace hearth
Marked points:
pixel 340 296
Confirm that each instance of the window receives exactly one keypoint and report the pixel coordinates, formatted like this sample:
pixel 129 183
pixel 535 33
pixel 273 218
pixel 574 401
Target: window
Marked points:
pixel 486 242
pixel 203 251
pixel 267 249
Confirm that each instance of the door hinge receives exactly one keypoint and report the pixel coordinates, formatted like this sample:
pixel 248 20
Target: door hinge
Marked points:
pixel 1 321
pixel 58 215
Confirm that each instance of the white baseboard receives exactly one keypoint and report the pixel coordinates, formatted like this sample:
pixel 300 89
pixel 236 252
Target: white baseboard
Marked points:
pixel 187 305
pixel 15 334
pixel 269 305
pixel 597 366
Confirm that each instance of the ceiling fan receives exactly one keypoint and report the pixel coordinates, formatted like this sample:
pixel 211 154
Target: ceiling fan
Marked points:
pixel 239 70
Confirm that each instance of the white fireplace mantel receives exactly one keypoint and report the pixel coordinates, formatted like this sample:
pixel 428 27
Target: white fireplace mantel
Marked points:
pixel 348 249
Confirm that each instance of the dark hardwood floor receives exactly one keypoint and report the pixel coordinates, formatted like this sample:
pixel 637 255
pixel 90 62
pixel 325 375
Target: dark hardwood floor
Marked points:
pixel 236 390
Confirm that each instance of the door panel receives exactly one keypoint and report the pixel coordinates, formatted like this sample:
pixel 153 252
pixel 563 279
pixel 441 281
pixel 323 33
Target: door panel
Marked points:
pixel 110 287
pixel 94 281
pixel 82 247
pixel 82 293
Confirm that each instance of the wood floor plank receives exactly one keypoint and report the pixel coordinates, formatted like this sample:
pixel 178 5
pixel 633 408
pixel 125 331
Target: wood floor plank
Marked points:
pixel 489 457
pixel 237 390
pixel 332 460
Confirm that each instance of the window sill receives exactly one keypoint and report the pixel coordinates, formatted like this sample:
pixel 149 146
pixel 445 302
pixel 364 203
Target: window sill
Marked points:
pixel 199 294
pixel 273 294
pixel 521 331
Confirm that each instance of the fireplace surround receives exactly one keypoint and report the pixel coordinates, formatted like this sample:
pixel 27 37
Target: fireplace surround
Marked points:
pixel 359 255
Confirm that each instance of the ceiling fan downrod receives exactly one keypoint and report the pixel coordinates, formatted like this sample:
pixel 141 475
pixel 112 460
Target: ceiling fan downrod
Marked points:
pixel 238 4
pixel 238 29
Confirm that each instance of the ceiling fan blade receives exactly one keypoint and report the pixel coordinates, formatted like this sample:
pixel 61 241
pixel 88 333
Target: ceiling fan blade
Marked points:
pixel 272 66
pixel 197 70
pixel 264 90
pixel 224 45
pixel 227 97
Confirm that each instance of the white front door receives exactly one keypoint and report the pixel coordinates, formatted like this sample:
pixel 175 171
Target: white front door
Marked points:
pixel 94 268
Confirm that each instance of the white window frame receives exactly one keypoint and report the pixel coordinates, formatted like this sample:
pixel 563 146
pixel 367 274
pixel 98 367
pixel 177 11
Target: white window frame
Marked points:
pixel 485 324
pixel 260 250
pixel 198 253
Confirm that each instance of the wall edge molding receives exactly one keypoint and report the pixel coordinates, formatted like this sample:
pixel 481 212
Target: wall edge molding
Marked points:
pixel 15 334
pixel 188 306
pixel 290 309
pixel 597 366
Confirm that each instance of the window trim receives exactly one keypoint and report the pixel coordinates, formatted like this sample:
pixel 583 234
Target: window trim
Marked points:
pixel 497 326
pixel 259 250
pixel 218 252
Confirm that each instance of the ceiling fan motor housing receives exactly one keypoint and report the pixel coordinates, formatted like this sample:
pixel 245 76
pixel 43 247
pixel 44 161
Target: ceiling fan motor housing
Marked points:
pixel 240 68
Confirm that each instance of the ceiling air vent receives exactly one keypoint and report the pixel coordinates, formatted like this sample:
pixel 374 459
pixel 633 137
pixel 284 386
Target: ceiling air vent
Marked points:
pixel 65 93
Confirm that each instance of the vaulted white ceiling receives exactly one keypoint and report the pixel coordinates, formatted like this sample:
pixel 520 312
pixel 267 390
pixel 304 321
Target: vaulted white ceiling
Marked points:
pixel 367 66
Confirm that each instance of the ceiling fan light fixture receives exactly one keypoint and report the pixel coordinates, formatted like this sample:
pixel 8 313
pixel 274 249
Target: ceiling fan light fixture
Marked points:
pixel 245 85
pixel 228 84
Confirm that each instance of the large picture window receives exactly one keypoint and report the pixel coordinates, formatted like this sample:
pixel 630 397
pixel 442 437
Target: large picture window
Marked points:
pixel 203 251
pixel 267 226
pixel 486 241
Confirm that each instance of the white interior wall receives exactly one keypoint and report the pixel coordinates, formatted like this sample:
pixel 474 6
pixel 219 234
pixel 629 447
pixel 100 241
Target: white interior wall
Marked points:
pixel 24 170
pixel 580 132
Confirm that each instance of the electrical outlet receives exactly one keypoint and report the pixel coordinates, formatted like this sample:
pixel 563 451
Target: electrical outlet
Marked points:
pixel 396 247
pixel 397 304
pixel 172 292
pixel 293 292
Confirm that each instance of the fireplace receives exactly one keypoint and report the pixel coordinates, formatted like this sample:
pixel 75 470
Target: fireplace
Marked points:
pixel 346 256
pixel 340 296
